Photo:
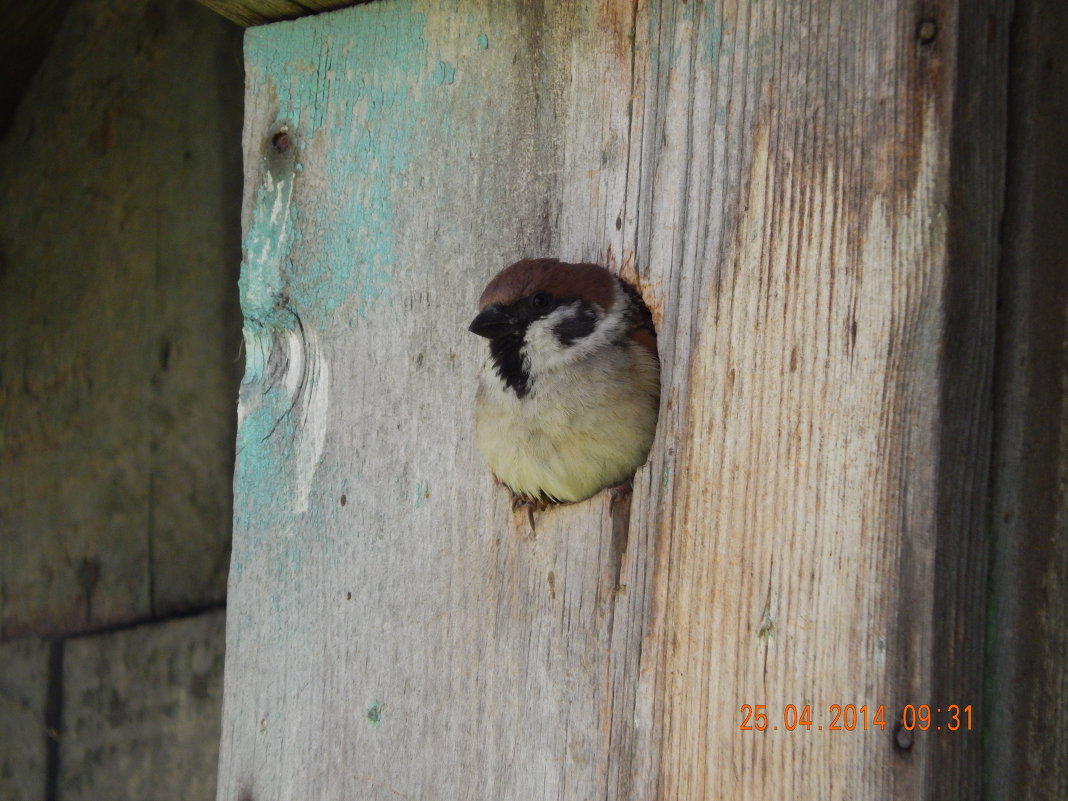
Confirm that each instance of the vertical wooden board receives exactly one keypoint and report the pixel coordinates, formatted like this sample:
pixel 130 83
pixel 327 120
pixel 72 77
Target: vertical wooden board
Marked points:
pixel 73 434
pixel 393 629
pixel 116 354
pixel 964 605
pixel 776 180
pixel 798 218
pixel 807 324
pixel 141 710
pixel 1027 673
pixel 25 735
pixel 196 348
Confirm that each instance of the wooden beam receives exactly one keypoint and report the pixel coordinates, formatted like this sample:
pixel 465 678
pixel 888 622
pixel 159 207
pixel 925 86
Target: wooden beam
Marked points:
pixel 28 31
pixel 260 12
pixel 1027 674
pixel 785 183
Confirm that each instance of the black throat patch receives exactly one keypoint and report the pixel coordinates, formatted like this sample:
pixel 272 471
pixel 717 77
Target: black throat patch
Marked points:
pixel 508 361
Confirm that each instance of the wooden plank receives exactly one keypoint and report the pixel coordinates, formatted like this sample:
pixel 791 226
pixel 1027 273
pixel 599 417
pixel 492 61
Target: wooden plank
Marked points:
pixel 258 12
pixel 117 360
pixel 27 735
pixel 195 355
pixel 1027 677
pixel 141 711
pixel 974 208
pixel 777 179
pixel 801 562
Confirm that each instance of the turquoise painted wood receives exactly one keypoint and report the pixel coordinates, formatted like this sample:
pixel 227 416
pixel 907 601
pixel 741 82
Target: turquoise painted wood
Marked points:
pixel 776 181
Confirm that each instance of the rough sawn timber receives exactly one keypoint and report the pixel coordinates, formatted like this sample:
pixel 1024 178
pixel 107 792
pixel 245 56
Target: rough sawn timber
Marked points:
pixel 258 12
pixel 782 182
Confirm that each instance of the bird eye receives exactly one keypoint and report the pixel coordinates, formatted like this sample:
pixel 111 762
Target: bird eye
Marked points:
pixel 539 300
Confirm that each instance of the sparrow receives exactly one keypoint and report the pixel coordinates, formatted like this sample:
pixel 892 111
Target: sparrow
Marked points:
pixel 567 401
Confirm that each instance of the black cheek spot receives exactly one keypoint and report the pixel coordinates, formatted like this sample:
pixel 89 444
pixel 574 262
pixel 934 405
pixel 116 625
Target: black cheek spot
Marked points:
pixel 576 326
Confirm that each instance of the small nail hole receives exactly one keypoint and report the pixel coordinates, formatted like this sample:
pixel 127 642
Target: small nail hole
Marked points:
pixel 927 31
pixel 280 142
pixel 903 738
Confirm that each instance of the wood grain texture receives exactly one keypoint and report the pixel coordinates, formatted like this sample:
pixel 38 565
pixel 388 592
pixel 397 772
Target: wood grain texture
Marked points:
pixel 777 179
pixel 258 12
pixel 141 711
pixel 119 332
pixel 26 737
pixel 1027 682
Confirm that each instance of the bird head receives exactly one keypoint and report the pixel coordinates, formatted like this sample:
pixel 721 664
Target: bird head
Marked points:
pixel 542 314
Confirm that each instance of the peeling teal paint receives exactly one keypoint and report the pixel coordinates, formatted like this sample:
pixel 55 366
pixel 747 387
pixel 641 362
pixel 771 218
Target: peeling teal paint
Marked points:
pixel 713 43
pixel 358 93
pixel 652 33
pixel 352 94
pixel 374 714
pixel 662 53
pixel 445 73
pixel 483 42
pixel 268 243
pixel 422 493
pixel 703 16
pixel 264 459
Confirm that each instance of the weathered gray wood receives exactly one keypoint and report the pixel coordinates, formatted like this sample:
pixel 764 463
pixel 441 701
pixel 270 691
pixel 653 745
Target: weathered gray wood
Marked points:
pixel 119 338
pixel 141 712
pixel 25 734
pixel 778 178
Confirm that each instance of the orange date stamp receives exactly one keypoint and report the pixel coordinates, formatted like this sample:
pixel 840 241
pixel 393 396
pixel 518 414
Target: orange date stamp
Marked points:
pixel 851 717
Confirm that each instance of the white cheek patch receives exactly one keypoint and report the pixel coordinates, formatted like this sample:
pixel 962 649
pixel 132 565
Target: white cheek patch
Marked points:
pixel 544 350
pixel 541 347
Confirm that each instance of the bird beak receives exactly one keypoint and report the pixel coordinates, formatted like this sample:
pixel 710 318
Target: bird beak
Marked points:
pixel 491 322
